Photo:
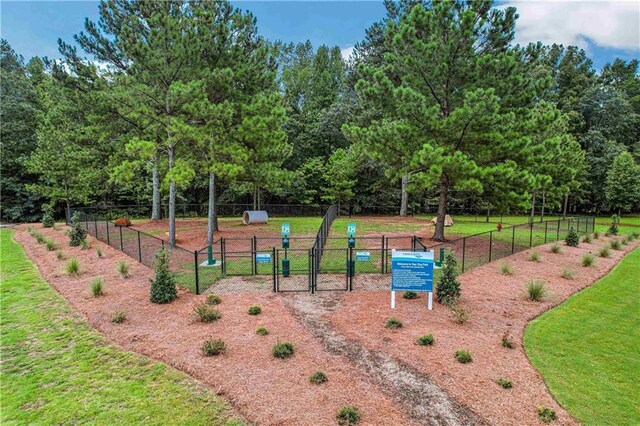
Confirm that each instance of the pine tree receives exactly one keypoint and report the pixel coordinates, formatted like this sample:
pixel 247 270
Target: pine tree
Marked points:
pixel 613 228
pixel 77 233
pixel 623 183
pixel 573 238
pixel 448 288
pixel 47 216
pixel 163 285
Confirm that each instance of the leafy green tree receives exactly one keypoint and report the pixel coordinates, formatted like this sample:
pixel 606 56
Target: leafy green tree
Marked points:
pixel 163 285
pixel 340 178
pixel 623 183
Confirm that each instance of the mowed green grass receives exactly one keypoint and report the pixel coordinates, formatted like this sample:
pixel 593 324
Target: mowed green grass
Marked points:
pixel 57 370
pixel 587 348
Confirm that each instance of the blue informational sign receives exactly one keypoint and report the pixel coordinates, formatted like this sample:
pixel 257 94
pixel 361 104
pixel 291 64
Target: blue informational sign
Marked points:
pixel 263 257
pixel 363 255
pixel 412 271
pixel 351 229
pixel 286 229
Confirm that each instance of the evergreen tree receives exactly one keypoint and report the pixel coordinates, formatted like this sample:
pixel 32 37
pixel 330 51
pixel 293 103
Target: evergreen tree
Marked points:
pixel 573 238
pixel 77 233
pixel 340 178
pixel 448 288
pixel 47 216
pixel 623 183
pixel 163 285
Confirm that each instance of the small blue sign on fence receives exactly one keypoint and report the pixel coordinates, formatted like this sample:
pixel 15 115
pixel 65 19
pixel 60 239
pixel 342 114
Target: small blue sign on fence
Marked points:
pixel 263 257
pixel 412 271
pixel 363 256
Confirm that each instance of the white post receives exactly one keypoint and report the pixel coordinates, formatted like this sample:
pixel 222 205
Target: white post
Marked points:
pixel 430 303
pixel 393 299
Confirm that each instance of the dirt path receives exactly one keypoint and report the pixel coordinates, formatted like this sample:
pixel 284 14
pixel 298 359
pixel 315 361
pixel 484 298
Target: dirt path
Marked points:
pixel 413 390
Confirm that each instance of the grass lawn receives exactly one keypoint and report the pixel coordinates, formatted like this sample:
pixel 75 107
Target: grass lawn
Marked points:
pixel 587 348
pixel 57 370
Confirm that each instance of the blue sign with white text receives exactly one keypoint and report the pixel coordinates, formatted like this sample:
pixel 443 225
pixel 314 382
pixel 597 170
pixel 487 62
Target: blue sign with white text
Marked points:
pixel 412 271
pixel 363 255
pixel 263 257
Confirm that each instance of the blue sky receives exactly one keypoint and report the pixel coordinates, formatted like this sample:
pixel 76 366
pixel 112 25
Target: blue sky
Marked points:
pixel 606 29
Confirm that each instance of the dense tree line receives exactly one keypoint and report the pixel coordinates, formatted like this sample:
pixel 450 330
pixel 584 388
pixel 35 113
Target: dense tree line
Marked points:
pixel 173 102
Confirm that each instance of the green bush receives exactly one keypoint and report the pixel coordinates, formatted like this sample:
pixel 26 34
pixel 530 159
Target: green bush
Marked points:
pixel 613 228
pixel 604 252
pixel 123 269
pixel 84 244
pixel 47 216
pixel 505 268
pixel 282 350
pixel 410 295
pixel 588 260
pixel 547 415
pixel 393 323
pixel 615 244
pixel 262 331
pixel 635 234
pixel 73 266
pixel 38 237
pixel 206 313
pixel 448 288
pixel 573 238
pixel 318 378
pixel 463 356
pixel 426 340
pixel 213 299
pixel 504 383
pixel 567 274
pixel 77 233
pixel 213 347
pixel 534 256
pixel 96 287
pixel 556 249
pixel 459 313
pixel 507 342
pixel 348 416
pixel 50 245
pixel 163 285
pixel 118 317
pixel 536 290
pixel 255 310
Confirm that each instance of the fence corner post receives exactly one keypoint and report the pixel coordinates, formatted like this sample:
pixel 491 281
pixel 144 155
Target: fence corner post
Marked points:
pixel 195 259
pixel 274 265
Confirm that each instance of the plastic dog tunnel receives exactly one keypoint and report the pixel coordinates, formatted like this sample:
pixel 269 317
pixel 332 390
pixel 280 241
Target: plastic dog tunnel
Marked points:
pixel 254 216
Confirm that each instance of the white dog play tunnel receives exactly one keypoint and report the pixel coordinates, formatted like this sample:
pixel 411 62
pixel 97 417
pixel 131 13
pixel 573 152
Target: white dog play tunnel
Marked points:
pixel 254 216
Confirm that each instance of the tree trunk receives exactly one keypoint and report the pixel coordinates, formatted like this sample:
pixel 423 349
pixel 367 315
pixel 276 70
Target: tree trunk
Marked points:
pixel 404 200
pixel 442 208
pixel 212 222
pixel 533 207
pixel 544 200
pixel 488 214
pixel 172 203
pixel 566 204
pixel 155 208
pixel 255 197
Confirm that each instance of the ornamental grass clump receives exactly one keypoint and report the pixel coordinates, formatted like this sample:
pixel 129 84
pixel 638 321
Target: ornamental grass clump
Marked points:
pixel 448 288
pixel 615 245
pixel 596 235
pixel 255 310
pixel 206 313
pixel 573 238
pixel 604 252
pixel 588 260
pixel 84 244
pixel 99 253
pixel 536 290
pixel 123 269
pixel 393 323
pixel 50 245
pixel 534 256
pixel 282 350
pixel 426 340
pixel 318 378
pixel 507 342
pixel 586 238
pixel 348 416
pixel 546 415
pixel 504 383
pixel 59 255
pixel 556 249
pixel 463 356
pixel 213 347
pixel 73 266
pixel 118 317
pixel 262 331
pixel 47 216
pixel 163 285
pixel 97 287
pixel 77 233
pixel 567 274
pixel 213 299
pixel 410 295
pixel 505 268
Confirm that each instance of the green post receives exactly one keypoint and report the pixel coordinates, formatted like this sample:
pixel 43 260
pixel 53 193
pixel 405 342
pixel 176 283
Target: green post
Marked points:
pixel 441 260
pixel 210 259
pixel 285 267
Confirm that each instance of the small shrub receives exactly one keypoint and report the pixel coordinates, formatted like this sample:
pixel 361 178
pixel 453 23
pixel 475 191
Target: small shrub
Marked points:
pixel 410 295
pixel 556 249
pixel 426 340
pixel 38 236
pixel 348 415
pixel 507 342
pixel 47 216
pixel 123 269
pixel 635 234
pixel 163 285
pixel 604 252
pixel 77 233
pixel 463 357
pixel 567 274
pixel 613 229
pixel 262 331
pixel 536 290
pixel 73 266
pixel 213 347
pixel 206 313
pixel 615 244
pixel 255 310
pixel 99 252
pixel 50 245
pixel 586 239
pixel 59 254
pixel 504 383
pixel 282 350
pixel 448 288
pixel 213 299
pixel 30 230
pixel 534 256
pixel 573 238
pixel 96 287
pixel 588 260
pixel 393 323
pixel 505 268
pixel 547 415
pixel 118 317
pixel 122 221
pixel 84 244
pixel 460 314
pixel 596 235
pixel 625 241
pixel 318 378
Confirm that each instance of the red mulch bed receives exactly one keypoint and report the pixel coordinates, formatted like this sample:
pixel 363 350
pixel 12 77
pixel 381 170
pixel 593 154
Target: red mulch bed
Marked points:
pixel 264 390
pixel 498 305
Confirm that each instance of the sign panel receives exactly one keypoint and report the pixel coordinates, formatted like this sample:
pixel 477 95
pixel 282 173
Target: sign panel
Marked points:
pixel 412 271
pixel 351 229
pixel 263 257
pixel 286 229
pixel 363 255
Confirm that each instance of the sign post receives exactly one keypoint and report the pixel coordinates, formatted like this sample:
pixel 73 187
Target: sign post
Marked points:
pixel 285 229
pixel 412 271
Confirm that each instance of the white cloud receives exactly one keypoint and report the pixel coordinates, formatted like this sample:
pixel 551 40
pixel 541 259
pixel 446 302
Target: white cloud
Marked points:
pixel 609 24
pixel 346 52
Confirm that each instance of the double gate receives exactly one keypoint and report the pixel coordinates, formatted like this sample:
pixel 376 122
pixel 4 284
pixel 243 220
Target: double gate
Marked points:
pixel 311 270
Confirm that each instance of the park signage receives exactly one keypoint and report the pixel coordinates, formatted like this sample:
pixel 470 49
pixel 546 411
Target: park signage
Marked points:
pixel 351 229
pixel 285 228
pixel 263 257
pixel 412 271
pixel 363 256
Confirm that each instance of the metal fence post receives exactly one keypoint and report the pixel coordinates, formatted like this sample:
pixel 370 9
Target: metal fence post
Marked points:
pixel 513 239
pixel 274 264
pixel 254 264
pixel 546 225
pixel 490 244
pixel 530 234
pixel 382 261
pixel 107 226
pixel 464 249
pixel 140 249
pixel 558 231
pixel 121 244
pixel 95 225
pixel 196 265
pixel 312 262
